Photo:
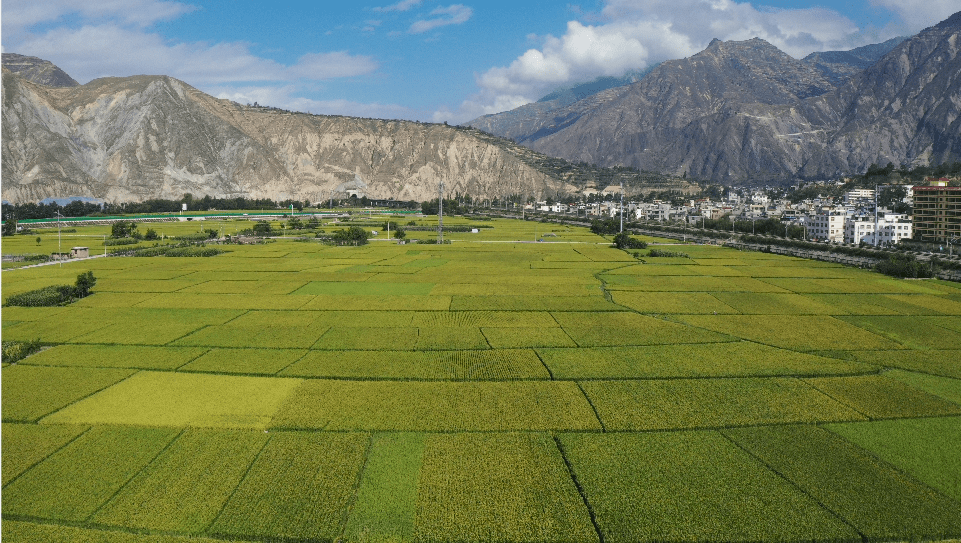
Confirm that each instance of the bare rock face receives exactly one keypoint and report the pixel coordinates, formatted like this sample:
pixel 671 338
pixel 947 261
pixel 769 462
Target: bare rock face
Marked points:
pixel 37 70
pixel 742 111
pixel 135 138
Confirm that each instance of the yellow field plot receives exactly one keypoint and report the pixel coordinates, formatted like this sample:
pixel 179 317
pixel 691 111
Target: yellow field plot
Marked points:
pixel 532 303
pixel 717 271
pixel 775 269
pixel 244 361
pixel 676 404
pixel 151 273
pixel 108 284
pixel 25 445
pixel 881 397
pixel 54 329
pixel 736 359
pixel 586 266
pixel 336 302
pixel 226 301
pixel 147 332
pixel 13 314
pixel 498 487
pixel 936 362
pixel 450 339
pixel 515 288
pixel 245 287
pixel 30 392
pixel 866 284
pixel 649 268
pixel 27 284
pixel 365 288
pixel 685 303
pixel 696 283
pixel 116 356
pixel 182 399
pixel 600 253
pixel 691 486
pixel 864 304
pixel 437 406
pixel 516 337
pixel 266 317
pixel 800 333
pixel 360 338
pixel 774 303
pixel 922 304
pixel 479 365
pixel 278 336
pixel 627 328
pixel 364 319
pixel 912 332
pixel 115 299
pixel 185 488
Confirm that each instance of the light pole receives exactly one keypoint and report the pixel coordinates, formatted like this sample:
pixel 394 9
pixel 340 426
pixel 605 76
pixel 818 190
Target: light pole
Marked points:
pixel 59 249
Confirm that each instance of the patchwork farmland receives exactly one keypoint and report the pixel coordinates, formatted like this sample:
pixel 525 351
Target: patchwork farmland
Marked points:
pixel 492 389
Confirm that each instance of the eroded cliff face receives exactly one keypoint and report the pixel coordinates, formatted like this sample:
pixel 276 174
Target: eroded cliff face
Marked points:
pixel 130 139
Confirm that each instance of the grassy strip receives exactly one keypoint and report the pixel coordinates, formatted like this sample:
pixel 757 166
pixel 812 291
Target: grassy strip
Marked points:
pixel 177 399
pixel 710 403
pixel 30 392
pixel 26 444
pixel 298 488
pixel 498 487
pixel 881 502
pixel 387 498
pixel 925 448
pixel 690 486
pixel 73 483
pixel 432 406
pixel 185 488
pixel 881 397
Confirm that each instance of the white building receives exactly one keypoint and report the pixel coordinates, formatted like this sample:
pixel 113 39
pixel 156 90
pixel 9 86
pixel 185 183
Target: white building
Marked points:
pixel 857 196
pixel 892 228
pixel 826 226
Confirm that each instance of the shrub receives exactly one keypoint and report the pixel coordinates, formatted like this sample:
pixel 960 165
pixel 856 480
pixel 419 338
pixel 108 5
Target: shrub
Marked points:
pixel 15 351
pixel 120 241
pixel 123 229
pixel 151 235
pixel 625 241
pixel 667 254
pixel 53 295
pixel 903 266
pixel 262 228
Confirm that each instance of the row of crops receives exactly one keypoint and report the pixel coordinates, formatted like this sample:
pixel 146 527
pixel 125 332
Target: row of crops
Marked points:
pixel 493 389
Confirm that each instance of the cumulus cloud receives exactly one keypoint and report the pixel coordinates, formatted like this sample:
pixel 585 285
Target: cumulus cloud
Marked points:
pixel 404 5
pixel 915 16
pixel 444 16
pixel 633 35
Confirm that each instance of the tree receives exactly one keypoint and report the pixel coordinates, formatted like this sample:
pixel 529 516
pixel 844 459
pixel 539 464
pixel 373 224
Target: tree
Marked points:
pixel 123 229
pixel 354 235
pixel 85 282
pixel 38 241
pixel 262 228
pixel 150 235
pixel 9 227
pixel 400 234
pixel 295 224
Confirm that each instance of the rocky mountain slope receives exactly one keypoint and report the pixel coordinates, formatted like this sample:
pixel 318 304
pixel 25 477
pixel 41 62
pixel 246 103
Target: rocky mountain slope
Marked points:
pixel 142 137
pixel 839 66
pixel 742 111
pixel 37 70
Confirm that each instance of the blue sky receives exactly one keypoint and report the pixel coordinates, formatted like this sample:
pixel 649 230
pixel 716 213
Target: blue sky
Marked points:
pixel 422 59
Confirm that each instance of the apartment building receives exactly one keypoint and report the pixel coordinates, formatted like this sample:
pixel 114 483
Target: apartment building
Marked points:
pixel 937 212
pixel 891 229
pixel 825 225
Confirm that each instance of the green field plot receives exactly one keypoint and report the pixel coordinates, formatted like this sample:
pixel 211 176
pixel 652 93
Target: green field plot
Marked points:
pixel 378 338
pixel 945 387
pixel 879 396
pixel 116 356
pixel 483 365
pixel 922 304
pixel 154 331
pixel 513 338
pixel 113 300
pixel 377 303
pixel 386 503
pixel 245 287
pixel 59 328
pixel 909 331
pixel 429 339
pixel 767 303
pixel 54 533
pixel 878 500
pixel 866 283
pixel 695 283
pixel 927 361
pixel 487 319
pixel 925 448
pixel 14 314
pixel 299 487
pixel 186 487
pixel 278 336
pixel 654 266
pixel 818 270
pixel 733 359
pixel 949 323
pixel 225 301
pixel 109 284
pixel 75 481
pixel 174 399
pixel 245 361
pixel 711 403
pixel 365 288
pixel 533 303
pixel 27 444
pixel 802 333
pixel 690 486
pixel 601 253
pixel 498 487
pixel 684 303
pixel 510 287
pixel 432 406
pixel 30 392
pixel 862 304
pixel 627 328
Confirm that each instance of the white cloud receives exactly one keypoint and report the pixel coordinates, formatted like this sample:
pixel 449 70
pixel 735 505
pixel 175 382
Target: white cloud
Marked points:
pixel 917 16
pixel 404 5
pixel 19 14
pixel 285 98
pixel 450 15
pixel 635 34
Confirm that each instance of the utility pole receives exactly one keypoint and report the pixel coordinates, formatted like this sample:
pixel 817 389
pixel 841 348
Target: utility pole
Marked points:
pixel 622 206
pixel 440 214
pixel 876 188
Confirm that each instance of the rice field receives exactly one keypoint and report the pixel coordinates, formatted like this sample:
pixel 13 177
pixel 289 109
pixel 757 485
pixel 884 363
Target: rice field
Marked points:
pixel 496 388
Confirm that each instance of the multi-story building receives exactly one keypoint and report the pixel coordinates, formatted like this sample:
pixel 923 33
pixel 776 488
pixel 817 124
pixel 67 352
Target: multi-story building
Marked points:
pixel 825 225
pixel 937 212
pixel 891 229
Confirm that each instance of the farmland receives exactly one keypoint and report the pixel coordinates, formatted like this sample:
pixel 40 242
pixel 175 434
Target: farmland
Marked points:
pixel 490 389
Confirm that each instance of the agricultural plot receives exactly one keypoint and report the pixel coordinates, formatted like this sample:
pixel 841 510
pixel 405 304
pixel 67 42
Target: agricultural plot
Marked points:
pixel 491 389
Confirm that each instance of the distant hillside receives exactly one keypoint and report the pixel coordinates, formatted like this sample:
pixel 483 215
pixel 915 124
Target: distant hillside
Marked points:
pixel 839 66
pixel 37 70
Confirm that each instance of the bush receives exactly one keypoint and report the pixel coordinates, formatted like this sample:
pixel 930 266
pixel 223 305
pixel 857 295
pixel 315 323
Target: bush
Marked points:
pixel 123 229
pixel 15 351
pixel 262 228
pixel 151 235
pixel 354 235
pixel 656 253
pixel 120 241
pixel 624 241
pixel 179 250
pixel 51 296
pixel 903 266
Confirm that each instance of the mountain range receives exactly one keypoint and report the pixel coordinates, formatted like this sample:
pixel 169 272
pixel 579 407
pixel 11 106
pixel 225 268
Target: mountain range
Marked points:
pixel 745 111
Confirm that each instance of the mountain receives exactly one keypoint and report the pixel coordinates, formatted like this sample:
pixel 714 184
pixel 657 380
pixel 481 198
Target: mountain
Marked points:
pixel 37 70
pixel 134 138
pixel 741 111
pixel 839 66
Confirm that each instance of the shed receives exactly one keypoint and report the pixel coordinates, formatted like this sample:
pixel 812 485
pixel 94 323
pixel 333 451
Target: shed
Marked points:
pixel 79 252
